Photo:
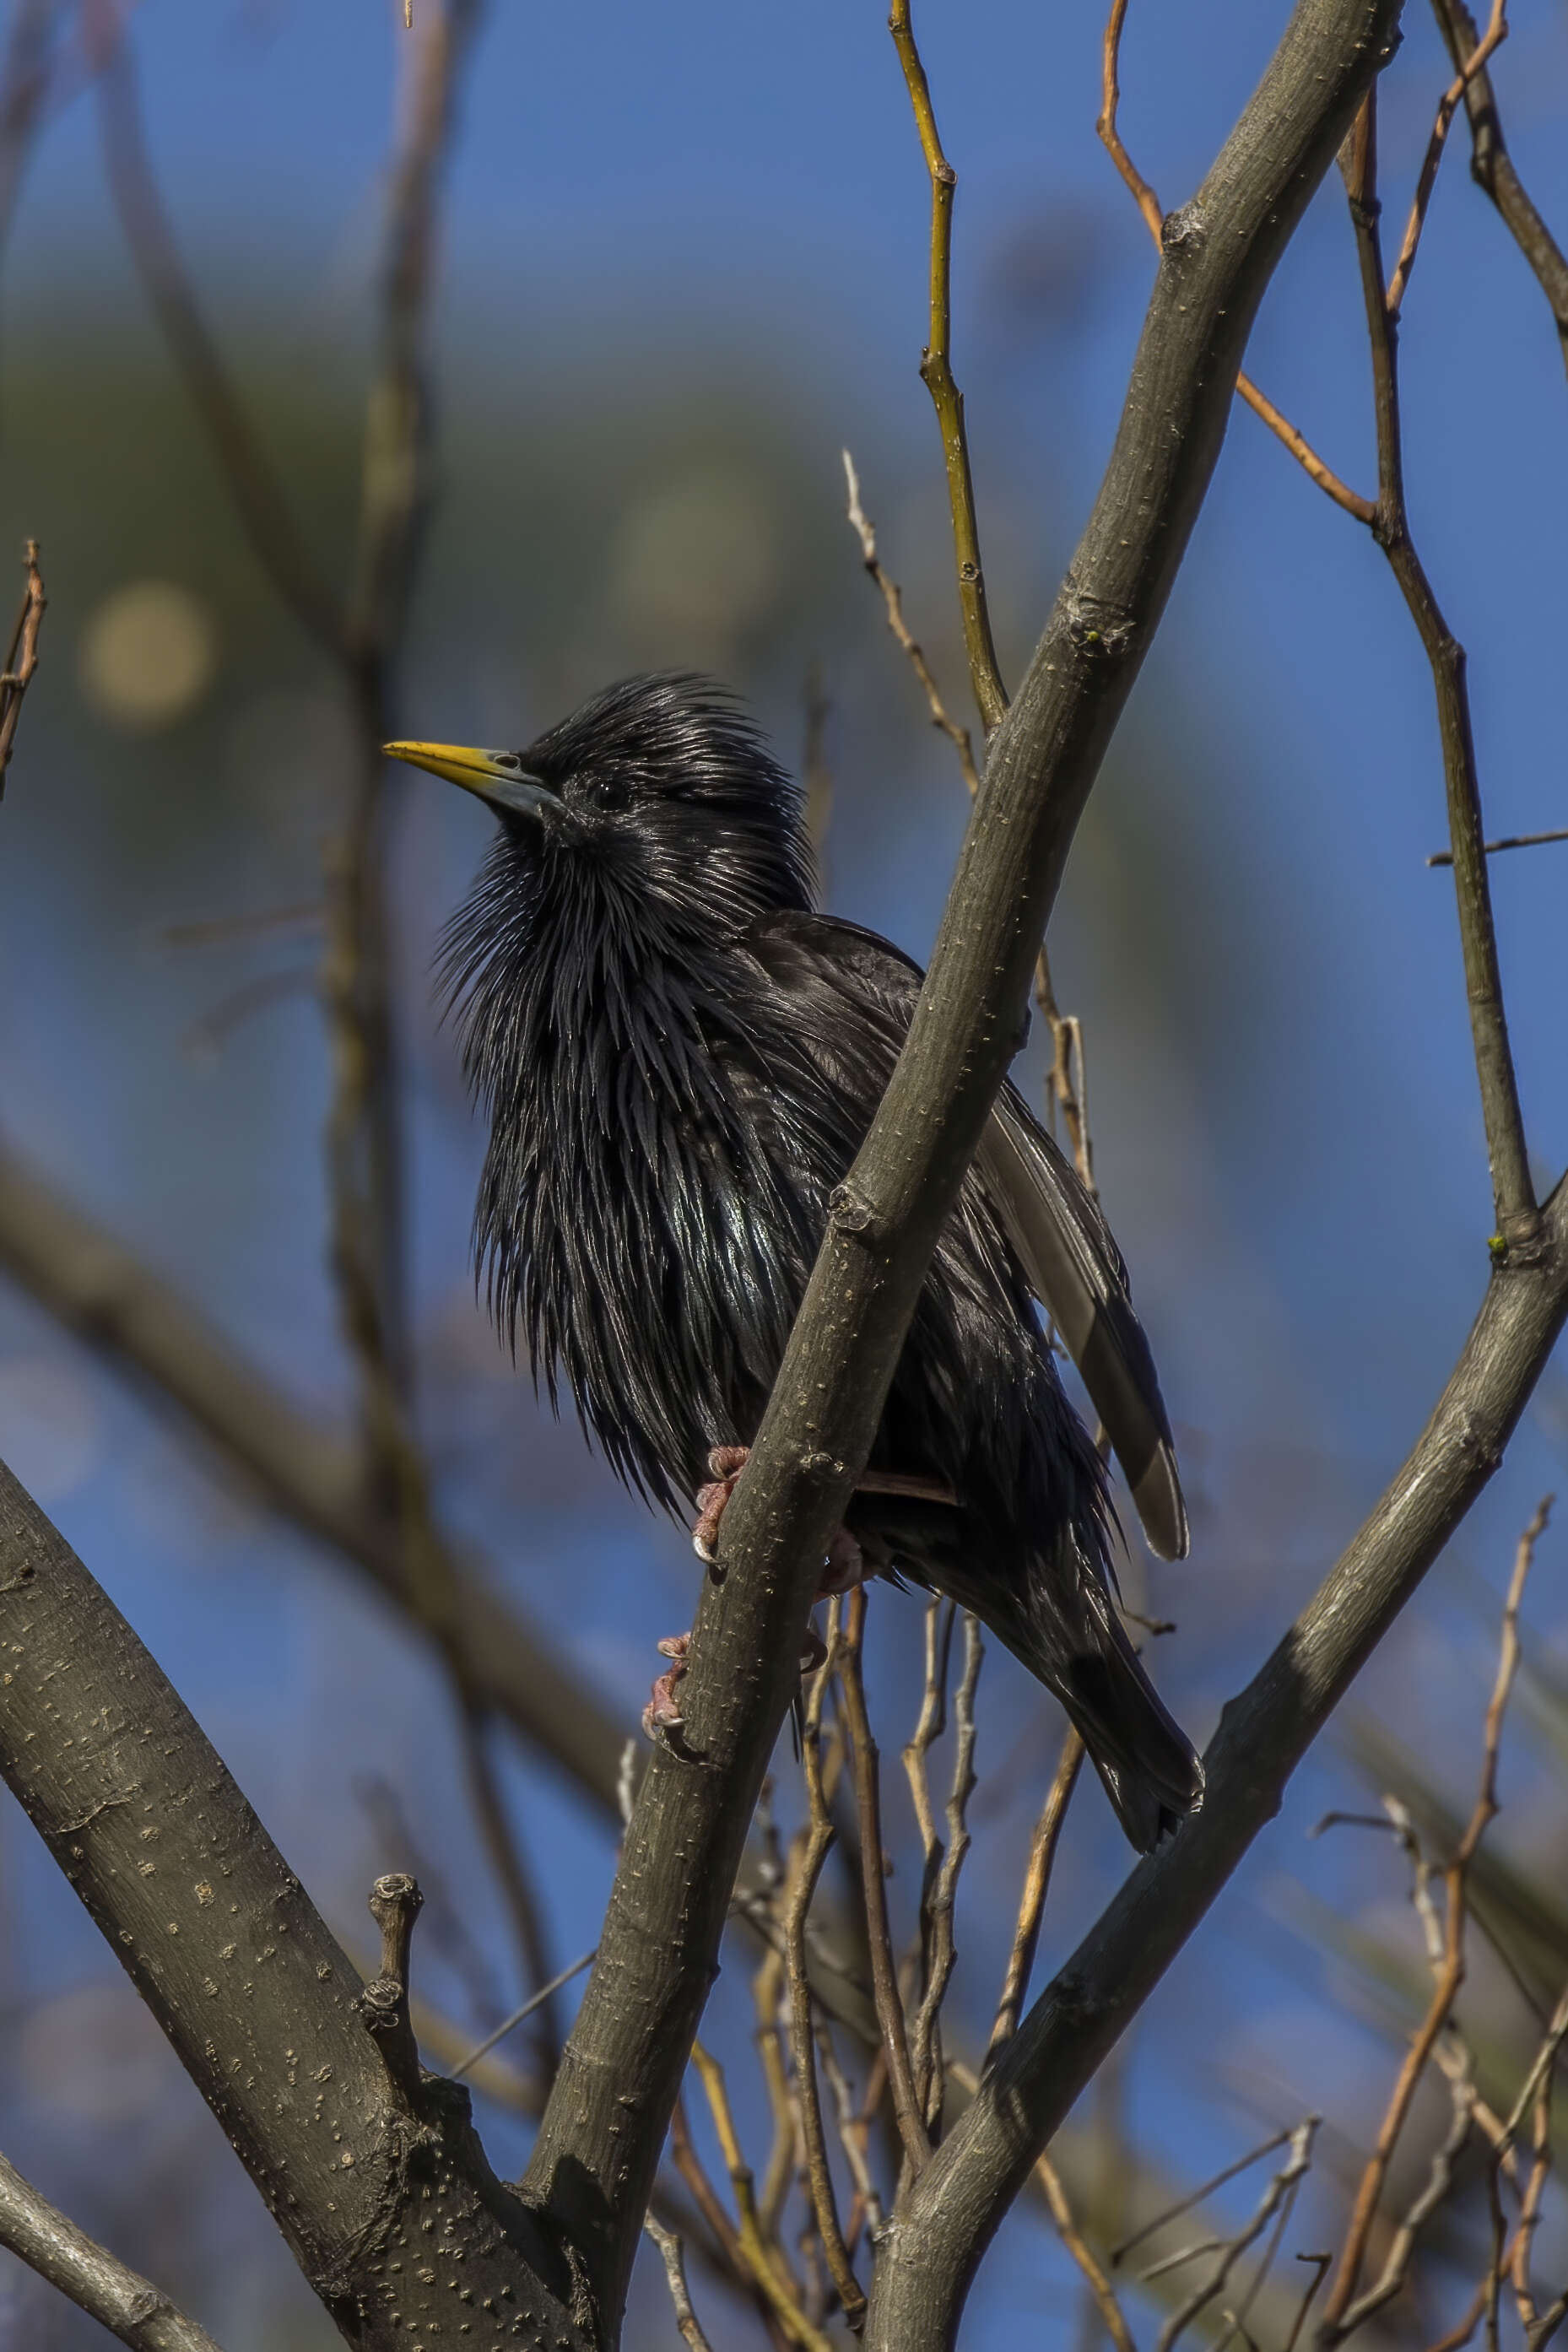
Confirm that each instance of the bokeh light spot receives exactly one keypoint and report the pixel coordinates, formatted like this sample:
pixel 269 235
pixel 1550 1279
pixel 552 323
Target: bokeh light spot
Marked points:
pixel 148 654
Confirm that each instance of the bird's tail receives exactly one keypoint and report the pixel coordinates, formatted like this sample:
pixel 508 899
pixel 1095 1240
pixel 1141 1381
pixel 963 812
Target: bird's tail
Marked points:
pixel 1081 1652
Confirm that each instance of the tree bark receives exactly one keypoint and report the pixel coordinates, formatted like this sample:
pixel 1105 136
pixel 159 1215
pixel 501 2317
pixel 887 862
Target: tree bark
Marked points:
pixel 381 2190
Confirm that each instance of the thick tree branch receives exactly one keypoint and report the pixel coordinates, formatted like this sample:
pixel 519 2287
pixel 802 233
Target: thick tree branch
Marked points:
pixel 938 2237
pixel 358 2164
pixel 118 2298
pixel 602 2131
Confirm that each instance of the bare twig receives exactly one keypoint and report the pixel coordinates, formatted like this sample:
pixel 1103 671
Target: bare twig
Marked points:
pixel 820 1839
pixel 141 2316
pixel 936 374
pixel 1508 841
pixel 1036 1885
pixel 926 2037
pixel 673 2259
pixel 1281 2189
pixel 1148 205
pixel 941 1616
pixel 1517 1215
pixel 1072 2238
pixel 1195 2197
pixel 854 2132
pixel 1343 2310
pixel 1492 168
pixel 1496 33
pixel 766 2264
pixel 22 659
pixel 526 2009
pixel 884 1974
pixel 892 598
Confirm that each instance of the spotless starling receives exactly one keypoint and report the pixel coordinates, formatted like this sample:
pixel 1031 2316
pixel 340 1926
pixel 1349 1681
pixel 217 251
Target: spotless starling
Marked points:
pixel 679 1057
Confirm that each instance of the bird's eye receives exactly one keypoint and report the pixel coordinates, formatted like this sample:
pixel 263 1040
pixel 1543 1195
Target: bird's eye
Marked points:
pixel 603 788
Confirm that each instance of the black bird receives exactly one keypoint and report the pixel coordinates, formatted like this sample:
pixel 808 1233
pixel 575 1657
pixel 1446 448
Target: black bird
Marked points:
pixel 679 1058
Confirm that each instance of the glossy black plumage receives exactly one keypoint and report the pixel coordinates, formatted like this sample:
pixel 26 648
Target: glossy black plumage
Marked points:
pixel 679 1058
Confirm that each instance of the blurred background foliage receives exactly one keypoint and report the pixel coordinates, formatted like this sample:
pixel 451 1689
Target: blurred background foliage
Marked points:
pixel 652 342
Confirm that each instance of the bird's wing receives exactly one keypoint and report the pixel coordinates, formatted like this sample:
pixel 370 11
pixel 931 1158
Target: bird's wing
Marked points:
pixel 1056 1226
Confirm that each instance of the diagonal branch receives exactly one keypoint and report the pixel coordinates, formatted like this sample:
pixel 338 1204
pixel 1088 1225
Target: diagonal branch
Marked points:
pixel 50 2242
pixel 599 2140
pixel 350 2152
pixel 959 2201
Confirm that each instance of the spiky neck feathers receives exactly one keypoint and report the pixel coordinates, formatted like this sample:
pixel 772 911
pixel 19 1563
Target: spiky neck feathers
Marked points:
pixel 669 828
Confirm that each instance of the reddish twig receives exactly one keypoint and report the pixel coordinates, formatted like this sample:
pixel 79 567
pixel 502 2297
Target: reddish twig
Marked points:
pixel 1148 204
pixel 1495 34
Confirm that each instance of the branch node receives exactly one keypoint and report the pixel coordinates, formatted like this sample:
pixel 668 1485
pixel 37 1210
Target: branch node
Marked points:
pixel 394 1905
pixel 1184 231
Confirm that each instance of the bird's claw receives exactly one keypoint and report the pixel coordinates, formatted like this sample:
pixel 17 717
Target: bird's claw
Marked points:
pixel 662 1717
pixel 726 1463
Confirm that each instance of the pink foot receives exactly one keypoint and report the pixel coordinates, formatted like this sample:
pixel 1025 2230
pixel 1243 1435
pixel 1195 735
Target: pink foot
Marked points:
pixel 662 1714
pixel 726 1463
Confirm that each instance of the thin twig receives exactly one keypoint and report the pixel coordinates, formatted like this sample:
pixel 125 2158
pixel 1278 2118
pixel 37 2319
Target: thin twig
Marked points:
pixel 820 1839
pixel 1148 205
pixel 1492 168
pixel 21 658
pixel 936 374
pixel 525 2010
pixel 767 2266
pixel 1073 2238
pixel 854 2132
pixel 892 597
pixel 884 1976
pixel 1449 1972
pixel 1280 2188
pixel 673 2258
pixel 1195 2197
pixel 1402 2245
pixel 1036 1885
pixel 926 2038
pixel 932 1722
pixel 1517 1216
pixel 141 2314
pixel 1508 841
pixel 1496 33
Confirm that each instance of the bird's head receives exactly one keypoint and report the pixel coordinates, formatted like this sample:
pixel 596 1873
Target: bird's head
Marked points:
pixel 658 795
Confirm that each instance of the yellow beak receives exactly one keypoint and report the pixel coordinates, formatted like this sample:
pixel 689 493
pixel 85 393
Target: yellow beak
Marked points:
pixel 498 777
pixel 475 771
